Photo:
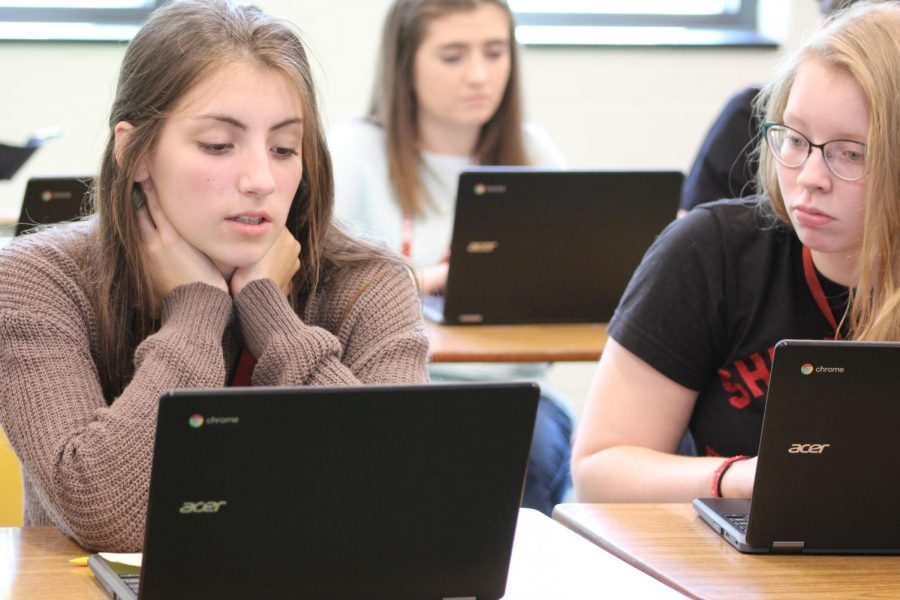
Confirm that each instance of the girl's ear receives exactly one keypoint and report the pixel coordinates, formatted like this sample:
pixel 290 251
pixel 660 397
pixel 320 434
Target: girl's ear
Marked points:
pixel 122 134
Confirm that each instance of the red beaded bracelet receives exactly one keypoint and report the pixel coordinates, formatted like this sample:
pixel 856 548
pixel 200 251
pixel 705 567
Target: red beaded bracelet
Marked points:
pixel 715 486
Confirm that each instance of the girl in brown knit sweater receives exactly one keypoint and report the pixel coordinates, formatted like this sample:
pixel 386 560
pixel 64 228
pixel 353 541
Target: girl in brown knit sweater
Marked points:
pixel 211 245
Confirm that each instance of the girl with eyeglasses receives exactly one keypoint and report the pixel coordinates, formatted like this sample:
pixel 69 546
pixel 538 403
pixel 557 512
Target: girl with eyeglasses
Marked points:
pixel 211 260
pixel 815 256
pixel 725 166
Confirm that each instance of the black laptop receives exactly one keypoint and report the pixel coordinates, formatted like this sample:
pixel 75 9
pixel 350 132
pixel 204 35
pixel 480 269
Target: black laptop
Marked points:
pixel 53 200
pixel 829 455
pixel 539 246
pixel 316 492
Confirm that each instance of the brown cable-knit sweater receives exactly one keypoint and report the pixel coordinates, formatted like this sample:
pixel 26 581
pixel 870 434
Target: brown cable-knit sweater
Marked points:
pixel 85 458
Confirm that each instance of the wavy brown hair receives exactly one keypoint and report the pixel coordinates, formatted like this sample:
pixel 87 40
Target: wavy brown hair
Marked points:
pixel 395 109
pixel 864 40
pixel 180 44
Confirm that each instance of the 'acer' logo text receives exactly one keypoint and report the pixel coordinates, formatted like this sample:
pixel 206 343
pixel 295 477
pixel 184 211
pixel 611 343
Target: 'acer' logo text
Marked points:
pixel 212 506
pixel 807 448
pixel 482 247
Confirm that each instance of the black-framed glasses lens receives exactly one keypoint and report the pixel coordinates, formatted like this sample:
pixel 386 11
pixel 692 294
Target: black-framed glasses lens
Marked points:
pixel 789 147
pixel 845 158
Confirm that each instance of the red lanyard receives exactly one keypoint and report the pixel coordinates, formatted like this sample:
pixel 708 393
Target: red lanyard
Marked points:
pixel 406 240
pixel 818 294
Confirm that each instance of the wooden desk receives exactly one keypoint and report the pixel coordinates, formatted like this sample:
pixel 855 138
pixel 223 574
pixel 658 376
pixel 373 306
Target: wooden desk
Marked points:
pixel 33 565
pixel 516 343
pixel 671 543
pixel 548 561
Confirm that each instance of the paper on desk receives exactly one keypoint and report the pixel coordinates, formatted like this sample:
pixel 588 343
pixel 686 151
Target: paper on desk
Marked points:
pixel 131 559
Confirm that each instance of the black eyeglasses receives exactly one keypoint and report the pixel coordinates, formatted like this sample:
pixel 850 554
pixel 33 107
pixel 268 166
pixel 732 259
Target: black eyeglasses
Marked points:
pixel 845 158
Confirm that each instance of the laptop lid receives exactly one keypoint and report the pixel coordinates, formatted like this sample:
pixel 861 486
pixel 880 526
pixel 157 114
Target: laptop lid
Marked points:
pixel 826 472
pixel 53 200
pixel 377 492
pixel 544 246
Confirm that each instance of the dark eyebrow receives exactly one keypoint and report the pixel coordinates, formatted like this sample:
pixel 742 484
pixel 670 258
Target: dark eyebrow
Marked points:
pixel 286 123
pixel 463 45
pixel 453 46
pixel 235 123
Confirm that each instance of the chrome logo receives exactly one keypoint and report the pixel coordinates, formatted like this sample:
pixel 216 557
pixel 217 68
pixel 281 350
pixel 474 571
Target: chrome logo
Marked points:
pixel 196 421
pixel 479 189
pixel 806 369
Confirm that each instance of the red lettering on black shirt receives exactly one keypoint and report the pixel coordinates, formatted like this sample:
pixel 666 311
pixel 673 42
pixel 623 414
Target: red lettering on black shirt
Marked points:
pixel 760 373
pixel 744 382
pixel 739 401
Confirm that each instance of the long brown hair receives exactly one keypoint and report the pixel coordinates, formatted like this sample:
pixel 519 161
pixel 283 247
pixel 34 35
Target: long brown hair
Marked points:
pixel 395 109
pixel 181 43
pixel 864 40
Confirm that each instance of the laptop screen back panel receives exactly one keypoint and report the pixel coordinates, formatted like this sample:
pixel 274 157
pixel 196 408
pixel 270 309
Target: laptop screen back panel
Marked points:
pixel 53 200
pixel 406 493
pixel 826 473
pixel 535 246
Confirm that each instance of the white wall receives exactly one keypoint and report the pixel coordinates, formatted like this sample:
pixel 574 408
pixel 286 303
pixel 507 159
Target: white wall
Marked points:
pixel 606 107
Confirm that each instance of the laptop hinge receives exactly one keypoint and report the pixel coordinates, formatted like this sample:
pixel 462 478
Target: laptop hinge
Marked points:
pixel 787 547
pixel 471 318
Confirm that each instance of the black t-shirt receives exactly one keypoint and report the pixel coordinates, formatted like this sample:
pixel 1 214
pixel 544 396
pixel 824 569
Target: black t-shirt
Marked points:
pixel 725 167
pixel 706 306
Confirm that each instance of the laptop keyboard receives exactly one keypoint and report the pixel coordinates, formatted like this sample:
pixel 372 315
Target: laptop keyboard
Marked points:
pixel 739 521
pixel 131 581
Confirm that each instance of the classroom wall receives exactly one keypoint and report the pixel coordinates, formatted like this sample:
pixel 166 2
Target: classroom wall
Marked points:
pixel 606 107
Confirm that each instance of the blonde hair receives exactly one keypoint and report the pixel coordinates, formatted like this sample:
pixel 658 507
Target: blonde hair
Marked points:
pixel 181 43
pixel 864 40
pixel 395 109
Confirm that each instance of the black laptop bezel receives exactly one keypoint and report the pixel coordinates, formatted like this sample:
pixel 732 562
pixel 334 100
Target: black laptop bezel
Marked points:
pixel 526 398
pixel 768 495
pixel 74 201
pixel 486 299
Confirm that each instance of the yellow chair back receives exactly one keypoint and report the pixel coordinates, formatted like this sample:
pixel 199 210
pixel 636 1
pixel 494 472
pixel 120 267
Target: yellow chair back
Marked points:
pixel 10 485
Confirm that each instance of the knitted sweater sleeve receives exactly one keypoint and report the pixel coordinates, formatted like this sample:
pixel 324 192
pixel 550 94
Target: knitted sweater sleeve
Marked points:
pixel 86 462
pixel 368 329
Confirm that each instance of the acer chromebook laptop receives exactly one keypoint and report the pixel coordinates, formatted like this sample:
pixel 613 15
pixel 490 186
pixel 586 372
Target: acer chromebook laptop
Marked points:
pixel 539 246
pixel 826 476
pixel 351 492
pixel 53 200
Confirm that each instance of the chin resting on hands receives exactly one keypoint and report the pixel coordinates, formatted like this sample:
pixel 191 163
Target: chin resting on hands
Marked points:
pixel 279 264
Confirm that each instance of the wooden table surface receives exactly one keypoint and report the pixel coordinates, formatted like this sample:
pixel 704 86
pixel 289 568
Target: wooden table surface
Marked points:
pixel 671 543
pixel 516 343
pixel 33 565
pixel 548 562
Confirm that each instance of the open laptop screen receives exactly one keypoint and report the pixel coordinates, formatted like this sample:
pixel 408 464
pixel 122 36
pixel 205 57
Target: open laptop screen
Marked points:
pixel 376 492
pixel 826 472
pixel 548 246
pixel 53 200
